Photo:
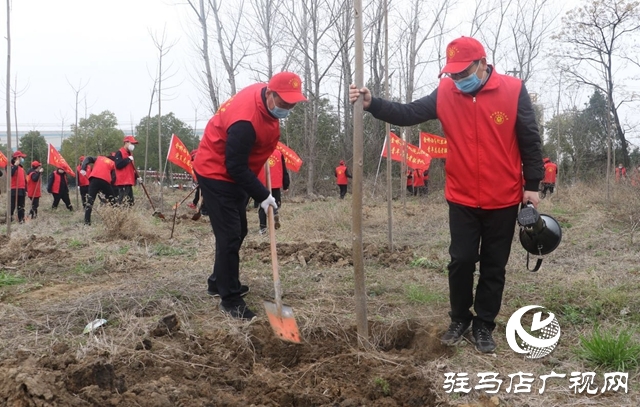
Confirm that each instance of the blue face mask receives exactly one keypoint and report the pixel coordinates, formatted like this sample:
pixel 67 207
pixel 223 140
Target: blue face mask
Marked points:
pixel 469 84
pixel 279 112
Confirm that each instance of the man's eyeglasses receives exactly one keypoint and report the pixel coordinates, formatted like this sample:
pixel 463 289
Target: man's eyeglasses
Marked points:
pixel 465 73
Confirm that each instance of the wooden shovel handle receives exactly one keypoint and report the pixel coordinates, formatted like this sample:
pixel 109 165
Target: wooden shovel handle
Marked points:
pixel 274 252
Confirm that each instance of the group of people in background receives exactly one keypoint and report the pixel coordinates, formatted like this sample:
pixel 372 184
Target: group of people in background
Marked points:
pixel 418 182
pixel 113 176
pixel 633 178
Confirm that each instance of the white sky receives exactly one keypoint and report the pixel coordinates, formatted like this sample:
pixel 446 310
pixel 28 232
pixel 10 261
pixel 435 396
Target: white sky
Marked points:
pixel 105 45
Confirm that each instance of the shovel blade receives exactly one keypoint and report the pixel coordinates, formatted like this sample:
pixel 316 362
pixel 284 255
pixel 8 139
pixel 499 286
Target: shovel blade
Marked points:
pixel 196 216
pixel 284 325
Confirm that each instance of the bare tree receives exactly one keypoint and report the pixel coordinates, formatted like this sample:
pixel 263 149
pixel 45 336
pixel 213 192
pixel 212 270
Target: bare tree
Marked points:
pixel 201 12
pixel 230 44
pixel 592 51
pixel 269 21
pixel 530 28
pixel 163 50
pixel 8 102
pixel 17 93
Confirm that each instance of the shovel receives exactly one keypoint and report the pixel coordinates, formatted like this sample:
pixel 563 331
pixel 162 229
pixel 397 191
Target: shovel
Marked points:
pixel 156 212
pixel 280 316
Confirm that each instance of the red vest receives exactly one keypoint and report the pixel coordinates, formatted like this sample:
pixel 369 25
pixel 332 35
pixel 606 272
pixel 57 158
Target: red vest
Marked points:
pixel 341 175
pixel 483 166
pixel 550 171
pixel 19 180
pixel 102 168
pixel 57 179
pixel 83 180
pixel 409 178
pixel 246 105
pixel 33 187
pixel 275 170
pixel 126 175
pixel 419 178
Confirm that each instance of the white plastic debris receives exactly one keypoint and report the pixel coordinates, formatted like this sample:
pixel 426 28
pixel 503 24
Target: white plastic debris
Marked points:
pixel 91 326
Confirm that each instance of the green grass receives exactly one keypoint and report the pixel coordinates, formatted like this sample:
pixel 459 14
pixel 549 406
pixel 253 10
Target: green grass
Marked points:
pixel 420 295
pixel 427 263
pixel 606 349
pixel 164 250
pixel 85 268
pixel 76 243
pixel 8 279
pixel 383 384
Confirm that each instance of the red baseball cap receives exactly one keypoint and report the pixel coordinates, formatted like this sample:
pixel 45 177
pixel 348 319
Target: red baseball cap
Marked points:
pixel 35 164
pixel 18 153
pixel 288 86
pixel 461 52
pixel 131 140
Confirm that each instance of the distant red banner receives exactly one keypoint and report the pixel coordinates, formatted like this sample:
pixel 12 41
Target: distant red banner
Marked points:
pixel 435 146
pixel 291 159
pixel 179 155
pixel 3 160
pixel 54 158
pixel 416 158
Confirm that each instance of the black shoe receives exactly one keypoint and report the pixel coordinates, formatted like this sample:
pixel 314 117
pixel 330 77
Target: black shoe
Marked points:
pixel 484 340
pixel 239 312
pixel 213 291
pixel 454 334
pixel 70 207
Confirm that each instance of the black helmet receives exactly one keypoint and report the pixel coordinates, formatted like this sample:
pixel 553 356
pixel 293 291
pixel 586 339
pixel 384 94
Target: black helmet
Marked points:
pixel 539 234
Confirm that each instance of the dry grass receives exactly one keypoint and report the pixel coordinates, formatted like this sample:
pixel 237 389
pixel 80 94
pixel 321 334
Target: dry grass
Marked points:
pixel 125 269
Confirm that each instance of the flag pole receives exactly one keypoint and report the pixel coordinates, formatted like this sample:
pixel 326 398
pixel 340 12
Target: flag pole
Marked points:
pixel 388 129
pixel 373 191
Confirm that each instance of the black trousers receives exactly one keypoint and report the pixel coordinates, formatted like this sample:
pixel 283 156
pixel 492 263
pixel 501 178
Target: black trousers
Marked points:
pixel 226 204
pixel 64 197
pixel 21 197
pixel 479 235
pixel 343 191
pixel 97 185
pixel 83 195
pixel 35 204
pixel 196 197
pixel 262 216
pixel 125 194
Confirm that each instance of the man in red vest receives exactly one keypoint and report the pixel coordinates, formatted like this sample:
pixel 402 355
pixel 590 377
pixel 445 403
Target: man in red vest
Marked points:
pixel 550 174
pixel 34 190
pixel 101 179
pixel 59 188
pixel 492 136
pixel 126 171
pixel 342 178
pixel 279 181
pixel 621 173
pixel 18 184
pixel 83 181
pixel 237 141
pixel 410 182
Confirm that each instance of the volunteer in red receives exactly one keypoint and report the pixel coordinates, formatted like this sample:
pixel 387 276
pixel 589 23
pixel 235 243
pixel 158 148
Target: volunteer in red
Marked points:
pixel 126 171
pixel 34 190
pixel 418 186
pixel 83 181
pixel 237 141
pixel 101 179
pixel 279 181
pixel 492 136
pixel 18 184
pixel 59 188
pixel 550 174
pixel 410 182
pixel 621 173
pixel 342 178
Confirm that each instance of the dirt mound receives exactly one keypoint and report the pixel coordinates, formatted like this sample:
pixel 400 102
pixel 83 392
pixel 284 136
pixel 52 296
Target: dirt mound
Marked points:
pixel 32 247
pixel 237 367
pixel 326 253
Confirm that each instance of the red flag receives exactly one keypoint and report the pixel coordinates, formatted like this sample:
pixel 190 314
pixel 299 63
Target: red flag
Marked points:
pixel 290 157
pixel 54 158
pixel 3 160
pixel 179 155
pixel 435 146
pixel 416 158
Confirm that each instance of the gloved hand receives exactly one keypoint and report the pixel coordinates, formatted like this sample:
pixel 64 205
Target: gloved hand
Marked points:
pixel 139 180
pixel 270 201
pixel 131 158
pixel 83 172
pixel 40 169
